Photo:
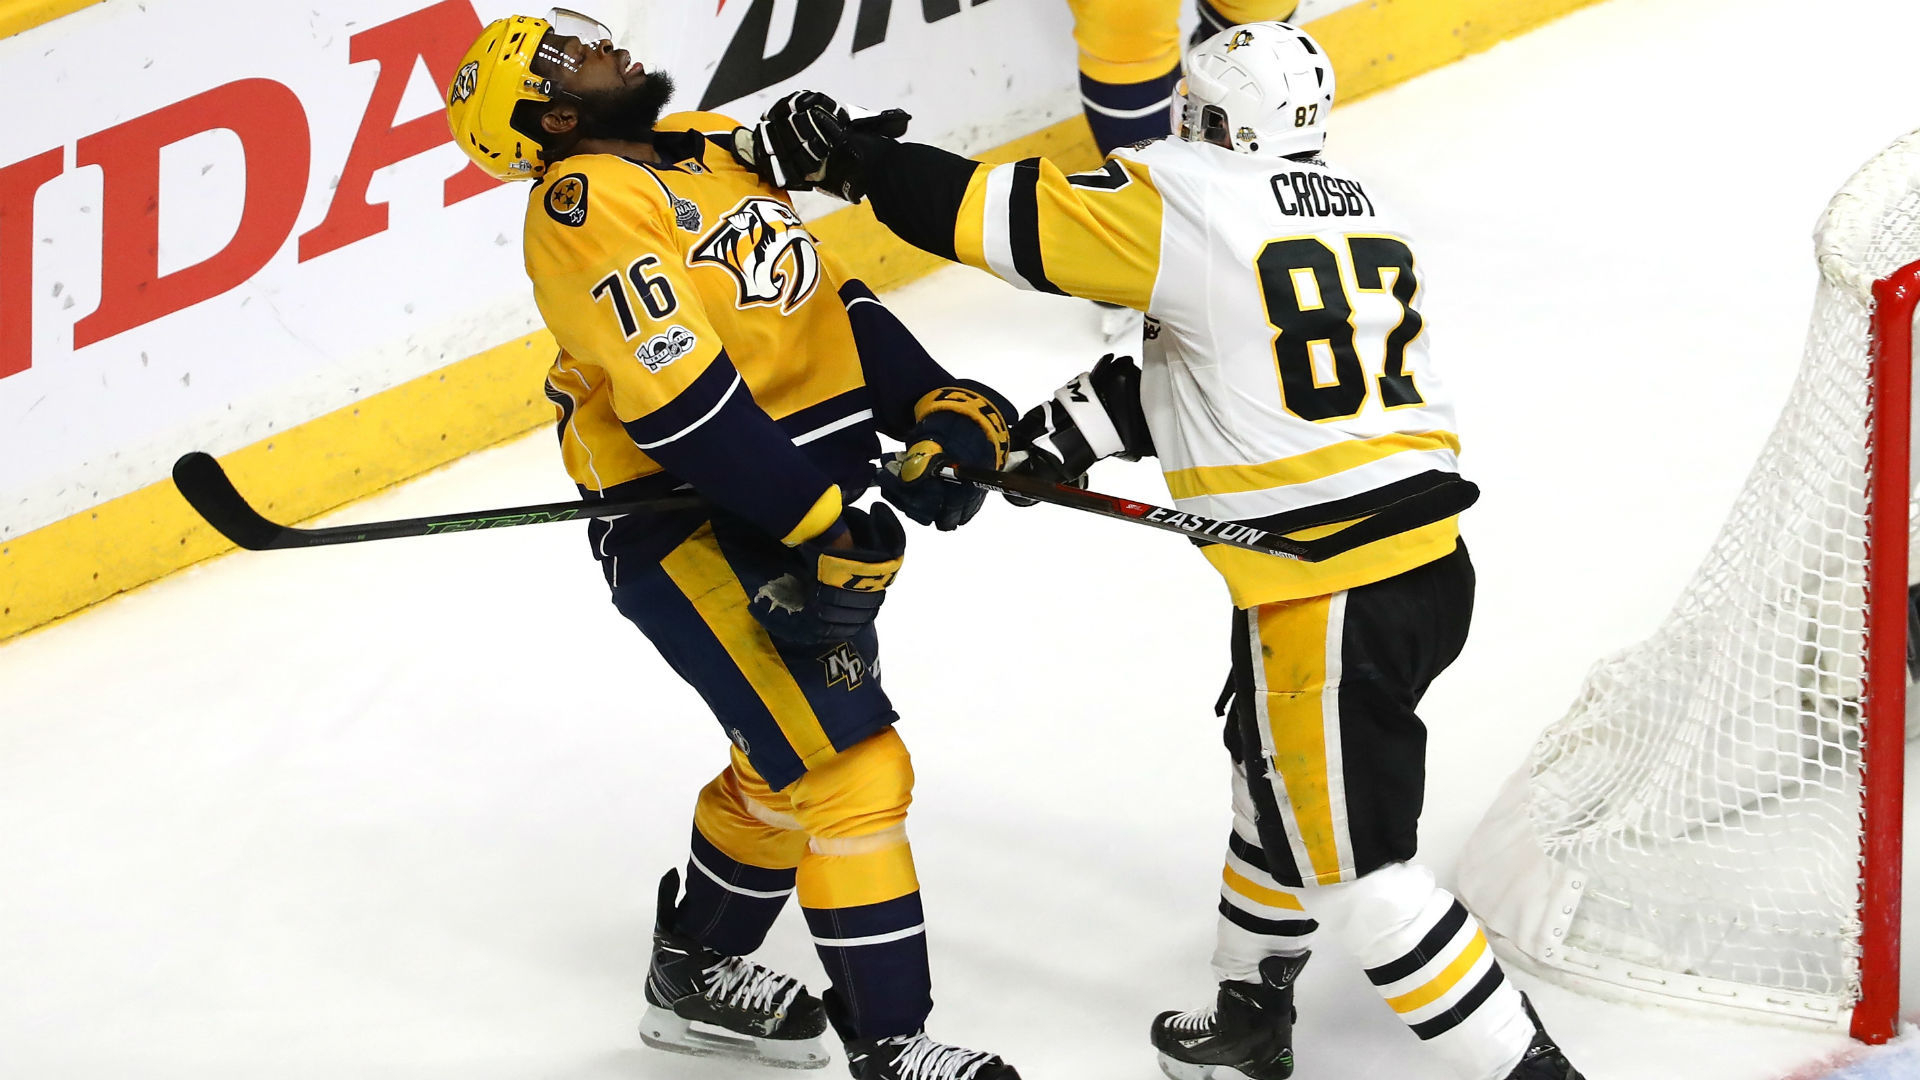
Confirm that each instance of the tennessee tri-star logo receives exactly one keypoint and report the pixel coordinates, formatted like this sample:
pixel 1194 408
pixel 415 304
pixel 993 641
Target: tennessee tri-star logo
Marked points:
pixel 567 200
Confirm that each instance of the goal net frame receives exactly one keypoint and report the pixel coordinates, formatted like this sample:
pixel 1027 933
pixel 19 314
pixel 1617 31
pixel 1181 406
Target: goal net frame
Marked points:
pixel 1530 899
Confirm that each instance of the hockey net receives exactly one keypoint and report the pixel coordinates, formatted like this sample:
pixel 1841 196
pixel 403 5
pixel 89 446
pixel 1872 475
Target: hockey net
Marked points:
pixel 1697 827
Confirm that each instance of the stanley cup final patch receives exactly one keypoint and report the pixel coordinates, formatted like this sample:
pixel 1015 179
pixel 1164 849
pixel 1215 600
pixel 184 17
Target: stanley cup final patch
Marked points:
pixel 567 200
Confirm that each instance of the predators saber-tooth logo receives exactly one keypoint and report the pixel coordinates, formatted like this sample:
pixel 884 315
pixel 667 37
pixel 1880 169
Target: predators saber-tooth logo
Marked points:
pixel 770 254
pixel 464 83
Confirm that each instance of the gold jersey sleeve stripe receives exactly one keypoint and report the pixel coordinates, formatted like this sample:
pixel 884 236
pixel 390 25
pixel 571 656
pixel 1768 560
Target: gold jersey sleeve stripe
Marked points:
pixel 1201 480
pixel 1094 234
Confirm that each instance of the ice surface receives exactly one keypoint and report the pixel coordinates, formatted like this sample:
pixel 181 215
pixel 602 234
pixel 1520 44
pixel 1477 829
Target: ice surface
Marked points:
pixel 396 810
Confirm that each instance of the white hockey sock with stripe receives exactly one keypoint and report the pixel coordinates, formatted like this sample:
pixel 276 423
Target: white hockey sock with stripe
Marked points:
pixel 1428 957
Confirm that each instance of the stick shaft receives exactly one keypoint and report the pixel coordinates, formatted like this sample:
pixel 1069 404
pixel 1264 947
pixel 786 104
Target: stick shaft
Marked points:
pixel 1446 497
pixel 206 487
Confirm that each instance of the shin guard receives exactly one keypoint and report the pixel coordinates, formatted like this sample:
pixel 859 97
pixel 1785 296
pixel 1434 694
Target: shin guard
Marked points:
pixel 1429 959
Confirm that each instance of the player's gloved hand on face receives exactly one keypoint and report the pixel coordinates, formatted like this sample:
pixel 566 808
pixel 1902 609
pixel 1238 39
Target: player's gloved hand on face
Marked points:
pixel 801 143
pixel 963 424
pixel 1096 415
pixel 838 590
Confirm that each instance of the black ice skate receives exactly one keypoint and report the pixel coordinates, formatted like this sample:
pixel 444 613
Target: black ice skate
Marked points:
pixel 916 1057
pixel 1543 1060
pixel 703 1003
pixel 1246 1034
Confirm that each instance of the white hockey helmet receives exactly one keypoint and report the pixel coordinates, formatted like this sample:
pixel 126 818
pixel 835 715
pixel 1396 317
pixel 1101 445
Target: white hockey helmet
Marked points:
pixel 1259 88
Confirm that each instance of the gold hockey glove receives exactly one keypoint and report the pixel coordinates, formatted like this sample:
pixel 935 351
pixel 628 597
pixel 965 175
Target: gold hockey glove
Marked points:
pixel 965 424
pixel 837 591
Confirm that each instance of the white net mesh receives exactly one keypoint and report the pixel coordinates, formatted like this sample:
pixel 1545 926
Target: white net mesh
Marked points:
pixel 1705 785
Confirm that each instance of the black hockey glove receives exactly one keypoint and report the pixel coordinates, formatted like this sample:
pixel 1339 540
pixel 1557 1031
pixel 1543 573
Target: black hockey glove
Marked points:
pixel 801 143
pixel 836 591
pixel 1096 415
pixel 965 424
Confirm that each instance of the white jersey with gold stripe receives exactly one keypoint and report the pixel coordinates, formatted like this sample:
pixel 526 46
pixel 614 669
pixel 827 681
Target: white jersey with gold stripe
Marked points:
pixel 1286 365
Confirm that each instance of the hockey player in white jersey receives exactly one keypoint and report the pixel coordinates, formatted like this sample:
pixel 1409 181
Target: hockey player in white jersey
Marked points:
pixel 1286 380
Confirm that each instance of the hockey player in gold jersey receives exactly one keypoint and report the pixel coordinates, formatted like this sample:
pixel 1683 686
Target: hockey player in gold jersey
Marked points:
pixel 708 342
pixel 1130 58
pixel 1286 380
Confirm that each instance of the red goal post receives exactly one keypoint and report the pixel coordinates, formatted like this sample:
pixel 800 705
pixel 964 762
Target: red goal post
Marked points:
pixel 1876 1015
pixel 1716 822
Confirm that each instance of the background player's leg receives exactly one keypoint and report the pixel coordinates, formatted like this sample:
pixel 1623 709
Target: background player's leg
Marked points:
pixel 1129 63
pixel 1217 15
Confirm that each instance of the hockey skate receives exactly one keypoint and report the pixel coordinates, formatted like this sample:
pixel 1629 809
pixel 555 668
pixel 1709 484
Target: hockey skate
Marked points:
pixel 1543 1060
pixel 700 1002
pixel 1122 328
pixel 916 1057
pixel 1246 1034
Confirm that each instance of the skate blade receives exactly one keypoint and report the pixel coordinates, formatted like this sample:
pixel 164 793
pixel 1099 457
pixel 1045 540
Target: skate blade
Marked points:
pixel 1188 1070
pixel 662 1030
pixel 1122 329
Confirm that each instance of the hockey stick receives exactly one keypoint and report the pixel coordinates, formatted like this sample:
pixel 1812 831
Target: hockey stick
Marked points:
pixel 206 488
pixel 1435 502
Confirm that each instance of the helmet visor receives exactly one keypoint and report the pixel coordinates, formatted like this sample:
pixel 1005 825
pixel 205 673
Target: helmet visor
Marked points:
pixel 567 23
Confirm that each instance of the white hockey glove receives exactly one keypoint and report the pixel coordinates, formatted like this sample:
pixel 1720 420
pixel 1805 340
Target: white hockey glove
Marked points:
pixel 1096 415
pixel 801 143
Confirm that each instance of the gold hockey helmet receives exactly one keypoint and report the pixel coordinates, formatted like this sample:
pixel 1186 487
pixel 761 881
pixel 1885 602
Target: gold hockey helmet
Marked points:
pixel 496 75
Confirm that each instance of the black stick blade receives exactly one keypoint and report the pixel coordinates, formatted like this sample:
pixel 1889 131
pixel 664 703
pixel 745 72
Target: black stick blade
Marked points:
pixel 204 484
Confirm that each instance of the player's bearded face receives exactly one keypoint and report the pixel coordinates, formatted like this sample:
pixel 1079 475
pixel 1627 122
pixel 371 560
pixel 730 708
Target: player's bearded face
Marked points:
pixel 614 96
pixel 626 112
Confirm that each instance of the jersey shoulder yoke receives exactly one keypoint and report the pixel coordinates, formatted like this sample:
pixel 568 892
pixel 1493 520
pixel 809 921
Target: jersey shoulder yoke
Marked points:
pixel 707 123
pixel 593 201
